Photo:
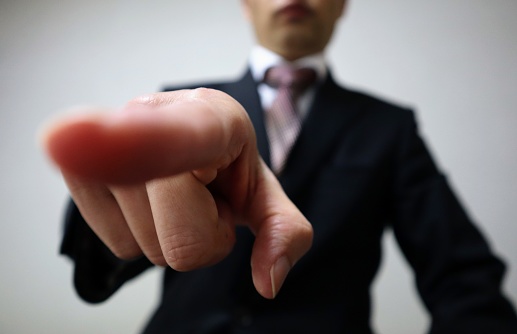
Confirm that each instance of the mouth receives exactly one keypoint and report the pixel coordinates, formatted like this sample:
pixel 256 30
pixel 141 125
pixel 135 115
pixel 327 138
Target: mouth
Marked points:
pixel 295 12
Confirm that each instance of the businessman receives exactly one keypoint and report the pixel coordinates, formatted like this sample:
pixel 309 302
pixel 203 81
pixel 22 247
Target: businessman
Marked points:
pixel 284 170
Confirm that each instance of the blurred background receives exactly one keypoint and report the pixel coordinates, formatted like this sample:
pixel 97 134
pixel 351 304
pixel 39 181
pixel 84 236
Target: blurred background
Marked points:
pixel 454 61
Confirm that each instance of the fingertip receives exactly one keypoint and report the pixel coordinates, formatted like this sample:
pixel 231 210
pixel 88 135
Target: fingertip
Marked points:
pixel 278 247
pixel 70 137
pixel 269 281
pixel 42 135
pixel 49 128
pixel 262 282
pixel 278 274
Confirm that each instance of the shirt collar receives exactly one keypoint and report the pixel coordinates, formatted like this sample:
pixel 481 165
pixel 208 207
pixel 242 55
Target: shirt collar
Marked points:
pixel 261 59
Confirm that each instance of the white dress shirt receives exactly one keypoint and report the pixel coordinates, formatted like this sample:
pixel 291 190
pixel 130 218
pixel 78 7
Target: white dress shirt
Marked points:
pixel 261 59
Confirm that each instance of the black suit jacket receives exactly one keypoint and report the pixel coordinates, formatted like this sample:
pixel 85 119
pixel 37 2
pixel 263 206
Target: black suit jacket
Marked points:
pixel 358 167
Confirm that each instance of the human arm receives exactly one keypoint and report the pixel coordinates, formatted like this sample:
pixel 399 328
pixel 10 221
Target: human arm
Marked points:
pixel 456 271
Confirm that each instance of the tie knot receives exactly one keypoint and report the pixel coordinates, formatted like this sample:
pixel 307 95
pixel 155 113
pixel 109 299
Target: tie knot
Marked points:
pixel 297 79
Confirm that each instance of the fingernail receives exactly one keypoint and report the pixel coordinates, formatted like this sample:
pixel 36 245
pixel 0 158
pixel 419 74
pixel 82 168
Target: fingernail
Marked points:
pixel 278 273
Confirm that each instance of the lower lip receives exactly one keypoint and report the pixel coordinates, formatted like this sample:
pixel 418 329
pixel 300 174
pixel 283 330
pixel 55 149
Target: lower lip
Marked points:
pixel 295 12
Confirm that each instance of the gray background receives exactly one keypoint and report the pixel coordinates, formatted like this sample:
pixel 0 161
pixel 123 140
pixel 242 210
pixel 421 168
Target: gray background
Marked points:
pixel 454 61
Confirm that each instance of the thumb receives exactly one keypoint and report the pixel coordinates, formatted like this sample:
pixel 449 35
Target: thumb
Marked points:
pixel 283 236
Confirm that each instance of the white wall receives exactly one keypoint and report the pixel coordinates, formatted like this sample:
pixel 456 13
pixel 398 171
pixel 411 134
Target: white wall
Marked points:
pixel 455 61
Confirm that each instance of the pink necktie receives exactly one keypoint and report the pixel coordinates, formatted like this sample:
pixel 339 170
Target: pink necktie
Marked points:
pixel 282 120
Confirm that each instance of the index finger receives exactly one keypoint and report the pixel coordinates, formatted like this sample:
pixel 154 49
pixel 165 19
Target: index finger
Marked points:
pixel 152 136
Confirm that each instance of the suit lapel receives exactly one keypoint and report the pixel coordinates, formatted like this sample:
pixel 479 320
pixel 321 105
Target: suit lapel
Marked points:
pixel 332 110
pixel 245 92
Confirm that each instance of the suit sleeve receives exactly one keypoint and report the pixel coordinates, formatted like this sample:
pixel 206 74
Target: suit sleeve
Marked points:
pixel 97 272
pixel 457 275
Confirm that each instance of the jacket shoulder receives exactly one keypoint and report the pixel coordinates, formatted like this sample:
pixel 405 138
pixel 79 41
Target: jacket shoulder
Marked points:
pixel 376 103
pixel 219 85
pixel 373 108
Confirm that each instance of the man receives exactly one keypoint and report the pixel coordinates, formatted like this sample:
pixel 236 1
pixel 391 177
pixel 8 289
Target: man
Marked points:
pixel 165 181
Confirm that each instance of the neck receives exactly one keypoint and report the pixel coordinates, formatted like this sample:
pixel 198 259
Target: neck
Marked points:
pixel 292 55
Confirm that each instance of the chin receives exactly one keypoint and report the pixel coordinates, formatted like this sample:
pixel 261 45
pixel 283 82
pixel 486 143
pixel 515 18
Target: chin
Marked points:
pixel 299 45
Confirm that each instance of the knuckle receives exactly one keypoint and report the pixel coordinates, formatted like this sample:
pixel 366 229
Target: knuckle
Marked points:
pixel 305 233
pixel 307 230
pixel 203 93
pixel 156 99
pixel 149 100
pixel 181 259
pixel 183 253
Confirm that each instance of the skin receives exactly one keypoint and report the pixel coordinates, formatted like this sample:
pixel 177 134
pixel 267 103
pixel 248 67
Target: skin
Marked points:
pixel 169 176
pixel 179 211
pixel 280 27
